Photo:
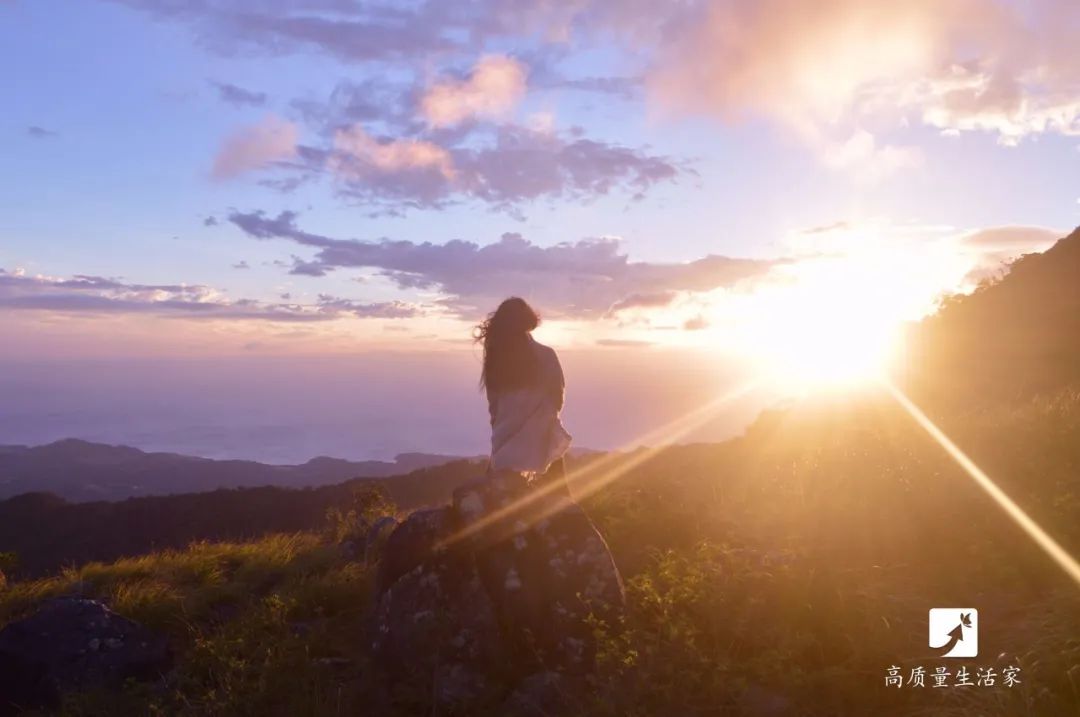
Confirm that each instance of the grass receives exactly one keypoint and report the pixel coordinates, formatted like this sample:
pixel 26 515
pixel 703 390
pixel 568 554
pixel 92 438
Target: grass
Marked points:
pixel 265 627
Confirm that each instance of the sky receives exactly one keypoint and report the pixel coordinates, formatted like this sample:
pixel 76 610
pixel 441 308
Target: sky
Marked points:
pixel 236 182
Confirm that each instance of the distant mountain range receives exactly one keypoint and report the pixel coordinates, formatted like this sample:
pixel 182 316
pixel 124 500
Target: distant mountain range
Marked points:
pixel 81 471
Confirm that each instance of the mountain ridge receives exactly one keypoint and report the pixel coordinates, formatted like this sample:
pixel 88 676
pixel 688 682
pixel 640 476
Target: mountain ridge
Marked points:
pixel 81 471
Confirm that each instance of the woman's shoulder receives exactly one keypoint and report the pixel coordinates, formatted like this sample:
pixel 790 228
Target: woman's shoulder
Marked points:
pixel 543 350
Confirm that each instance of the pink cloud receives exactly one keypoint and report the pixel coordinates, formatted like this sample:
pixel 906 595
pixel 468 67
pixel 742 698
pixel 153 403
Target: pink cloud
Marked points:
pixel 843 73
pixel 495 86
pixel 255 146
pixel 390 156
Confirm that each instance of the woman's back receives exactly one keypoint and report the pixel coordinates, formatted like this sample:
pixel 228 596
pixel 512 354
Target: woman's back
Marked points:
pixel 525 388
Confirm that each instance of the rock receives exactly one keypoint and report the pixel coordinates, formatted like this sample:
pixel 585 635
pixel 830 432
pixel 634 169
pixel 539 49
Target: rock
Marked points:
pixel 492 595
pixel 73 645
pixel 376 537
pixel 757 700
pixel 435 630
pixel 349 550
pixel 411 543
pixel 568 570
pixel 3 580
pixel 545 694
pixel 335 663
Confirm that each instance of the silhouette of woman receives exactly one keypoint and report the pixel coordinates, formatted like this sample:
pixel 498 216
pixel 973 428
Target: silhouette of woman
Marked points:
pixel 525 389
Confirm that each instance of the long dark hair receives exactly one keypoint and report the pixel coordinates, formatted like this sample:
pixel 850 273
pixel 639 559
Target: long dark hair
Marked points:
pixel 509 360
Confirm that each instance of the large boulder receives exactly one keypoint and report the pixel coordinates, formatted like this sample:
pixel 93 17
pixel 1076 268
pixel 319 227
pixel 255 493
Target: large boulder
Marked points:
pixel 491 598
pixel 376 537
pixel 72 645
pixel 435 632
pixel 411 542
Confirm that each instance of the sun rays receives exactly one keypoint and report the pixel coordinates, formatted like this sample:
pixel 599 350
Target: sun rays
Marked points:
pixel 596 474
pixel 606 469
pixel 1051 547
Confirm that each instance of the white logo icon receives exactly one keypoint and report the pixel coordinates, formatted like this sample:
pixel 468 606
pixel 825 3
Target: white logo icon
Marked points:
pixel 954 631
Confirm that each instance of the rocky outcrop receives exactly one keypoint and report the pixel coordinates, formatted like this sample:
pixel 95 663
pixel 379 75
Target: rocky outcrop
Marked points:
pixel 487 602
pixel 72 645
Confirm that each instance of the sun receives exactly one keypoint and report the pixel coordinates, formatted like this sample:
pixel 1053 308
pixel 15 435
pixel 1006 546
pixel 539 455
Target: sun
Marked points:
pixel 808 349
pixel 828 329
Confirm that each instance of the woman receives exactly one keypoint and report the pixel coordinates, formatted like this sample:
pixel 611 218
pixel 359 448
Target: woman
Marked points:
pixel 524 384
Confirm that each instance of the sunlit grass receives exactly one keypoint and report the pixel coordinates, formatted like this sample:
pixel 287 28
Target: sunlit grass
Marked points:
pixel 1034 531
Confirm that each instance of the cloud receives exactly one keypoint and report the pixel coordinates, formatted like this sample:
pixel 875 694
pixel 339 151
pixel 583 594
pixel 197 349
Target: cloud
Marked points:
pixel 583 279
pixel 210 221
pixel 624 88
pixel 95 295
pixel 255 147
pixel 394 142
pixel 655 300
pixel 826 228
pixel 495 86
pixel 380 101
pixel 238 96
pixel 40 132
pixel 992 250
pixel 517 165
pixel 833 70
pixel 241 265
pixel 862 155
pixel 1019 238
pixel 358 31
pixel 526 164
pixel 624 343
pixel 696 323
pixel 378 310
pixel 825 69
pixel 408 169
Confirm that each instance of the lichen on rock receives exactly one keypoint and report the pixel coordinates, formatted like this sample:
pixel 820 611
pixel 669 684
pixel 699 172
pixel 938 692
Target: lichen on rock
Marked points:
pixel 509 577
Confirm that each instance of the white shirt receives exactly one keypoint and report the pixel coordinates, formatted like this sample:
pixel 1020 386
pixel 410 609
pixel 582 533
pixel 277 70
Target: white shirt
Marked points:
pixel 526 433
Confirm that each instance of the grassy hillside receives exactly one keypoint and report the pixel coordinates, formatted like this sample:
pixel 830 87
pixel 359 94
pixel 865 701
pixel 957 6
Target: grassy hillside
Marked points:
pixel 46 532
pixel 261 627
pixel 795 564
pixel 1015 336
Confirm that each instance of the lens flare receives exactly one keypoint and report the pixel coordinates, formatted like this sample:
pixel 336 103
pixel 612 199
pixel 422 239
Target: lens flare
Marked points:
pixel 609 467
pixel 1057 553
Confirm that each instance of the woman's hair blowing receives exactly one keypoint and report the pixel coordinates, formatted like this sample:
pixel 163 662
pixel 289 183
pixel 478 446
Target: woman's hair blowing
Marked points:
pixel 509 361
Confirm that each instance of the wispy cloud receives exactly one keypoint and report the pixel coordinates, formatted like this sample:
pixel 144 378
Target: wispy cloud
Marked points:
pixel 655 300
pixel 40 132
pixel 504 168
pixel 238 96
pixel 583 279
pixel 95 295
pixel 625 343
pixel 255 147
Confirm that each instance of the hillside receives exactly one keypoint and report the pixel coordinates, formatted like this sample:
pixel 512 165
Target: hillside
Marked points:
pixel 48 532
pixel 1018 335
pixel 778 573
pixel 82 471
